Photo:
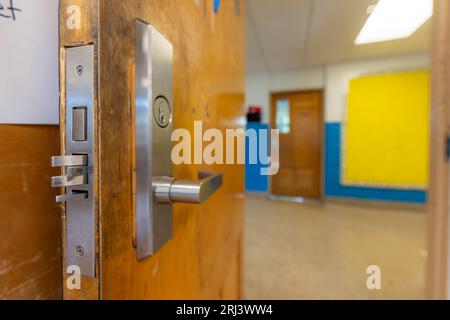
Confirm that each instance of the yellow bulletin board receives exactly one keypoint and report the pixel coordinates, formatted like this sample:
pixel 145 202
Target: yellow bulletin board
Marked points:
pixel 386 131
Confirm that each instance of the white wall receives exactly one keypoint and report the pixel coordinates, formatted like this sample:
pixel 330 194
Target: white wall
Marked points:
pixel 338 77
pixel 29 60
pixel 257 93
pixel 260 85
pixel 334 79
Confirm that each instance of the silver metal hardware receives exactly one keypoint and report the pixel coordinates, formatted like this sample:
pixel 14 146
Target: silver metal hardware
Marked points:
pixel 155 189
pixel 170 190
pixel 79 162
pixel 80 70
pixel 65 181
pixel 72 197
pixel 76 171
pixel 66 161
pixel 79 251
pixel 154 59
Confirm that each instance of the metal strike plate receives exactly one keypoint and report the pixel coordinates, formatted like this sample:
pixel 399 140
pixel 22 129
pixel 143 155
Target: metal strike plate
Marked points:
pixel 80 244
pixel 154 60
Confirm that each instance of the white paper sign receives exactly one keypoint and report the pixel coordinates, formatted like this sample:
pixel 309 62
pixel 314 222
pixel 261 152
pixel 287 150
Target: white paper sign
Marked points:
pixel 29 88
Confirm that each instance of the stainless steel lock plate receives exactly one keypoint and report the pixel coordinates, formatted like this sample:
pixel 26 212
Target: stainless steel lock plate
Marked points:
pixel 154 59
pixel 79 159
pixel 156 190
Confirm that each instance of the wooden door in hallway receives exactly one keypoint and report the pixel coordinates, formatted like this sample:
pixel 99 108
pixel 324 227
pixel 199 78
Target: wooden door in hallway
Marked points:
pixel 298 116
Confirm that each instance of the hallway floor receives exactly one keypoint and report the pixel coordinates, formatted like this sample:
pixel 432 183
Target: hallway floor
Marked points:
pixel 313 251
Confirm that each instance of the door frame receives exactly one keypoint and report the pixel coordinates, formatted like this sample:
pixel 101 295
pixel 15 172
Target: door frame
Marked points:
pixel 321 91
pixel 438 262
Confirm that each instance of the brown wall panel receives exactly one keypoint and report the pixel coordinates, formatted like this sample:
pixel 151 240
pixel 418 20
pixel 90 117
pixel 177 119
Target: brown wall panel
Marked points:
pixel 30 219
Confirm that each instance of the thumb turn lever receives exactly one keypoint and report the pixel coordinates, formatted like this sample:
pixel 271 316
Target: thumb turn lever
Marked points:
pixel 169 190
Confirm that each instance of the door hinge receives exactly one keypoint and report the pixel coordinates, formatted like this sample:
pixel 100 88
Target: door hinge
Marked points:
pixel 448 147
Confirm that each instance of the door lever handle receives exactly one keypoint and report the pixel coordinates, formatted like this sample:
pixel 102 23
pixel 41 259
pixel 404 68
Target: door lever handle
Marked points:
pixel 169 190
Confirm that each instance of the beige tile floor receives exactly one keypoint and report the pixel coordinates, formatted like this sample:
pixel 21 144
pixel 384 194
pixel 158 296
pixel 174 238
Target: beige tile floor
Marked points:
pixel 312 251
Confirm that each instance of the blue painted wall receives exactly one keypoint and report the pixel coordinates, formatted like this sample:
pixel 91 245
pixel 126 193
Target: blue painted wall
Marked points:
pixel 216 5
pixel 254 181
pixel 333 187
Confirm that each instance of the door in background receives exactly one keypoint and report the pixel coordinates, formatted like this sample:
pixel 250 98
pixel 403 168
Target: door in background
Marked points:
pixel 298 116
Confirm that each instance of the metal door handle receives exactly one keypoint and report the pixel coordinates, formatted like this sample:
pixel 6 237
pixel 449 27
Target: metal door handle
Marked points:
pixel 170 190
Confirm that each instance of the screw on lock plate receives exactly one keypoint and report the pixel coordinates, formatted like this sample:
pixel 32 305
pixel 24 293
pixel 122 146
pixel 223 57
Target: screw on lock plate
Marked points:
pixel 79 250
pixel 162 112
pixel 80 70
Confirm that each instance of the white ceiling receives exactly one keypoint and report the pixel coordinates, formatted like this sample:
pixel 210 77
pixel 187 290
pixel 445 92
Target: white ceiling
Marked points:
pixel 295 34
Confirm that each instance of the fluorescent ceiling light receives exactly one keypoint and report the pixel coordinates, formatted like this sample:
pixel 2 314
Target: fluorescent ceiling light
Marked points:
pixel 395 19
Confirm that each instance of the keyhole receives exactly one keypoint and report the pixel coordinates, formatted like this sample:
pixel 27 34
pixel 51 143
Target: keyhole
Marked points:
pixel 161 112
pixel 162 116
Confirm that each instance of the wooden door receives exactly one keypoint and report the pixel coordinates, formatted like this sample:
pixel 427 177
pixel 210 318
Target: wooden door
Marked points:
pixel 203 259
pixel 300 115
pixel 438 262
